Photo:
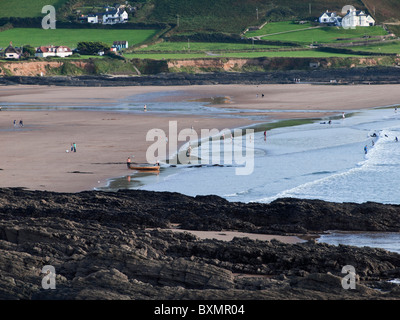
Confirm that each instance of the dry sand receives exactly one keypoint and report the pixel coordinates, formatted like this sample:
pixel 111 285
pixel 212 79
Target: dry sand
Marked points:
pixel 35 156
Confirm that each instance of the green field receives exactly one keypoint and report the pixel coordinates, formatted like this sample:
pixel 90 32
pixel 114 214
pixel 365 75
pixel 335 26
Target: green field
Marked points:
pixel 276 27
pixel 70 37
pixel 203 46
pixel 291 32
pixel 389 47
pixel 328 35
pixel 26 8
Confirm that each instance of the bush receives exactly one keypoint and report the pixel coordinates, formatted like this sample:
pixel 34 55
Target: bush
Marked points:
pixel 92 47
pixel 28 51
pixel 355 52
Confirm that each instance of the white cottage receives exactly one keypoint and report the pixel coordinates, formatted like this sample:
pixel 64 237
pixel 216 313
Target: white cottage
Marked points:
pixel 329 18
pixel 357 18
pixel 12 53
pixel 93 18
pixel 53 51
pixel 115 16
pixel 119 45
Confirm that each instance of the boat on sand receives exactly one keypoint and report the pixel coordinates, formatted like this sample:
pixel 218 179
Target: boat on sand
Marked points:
pixel 145 167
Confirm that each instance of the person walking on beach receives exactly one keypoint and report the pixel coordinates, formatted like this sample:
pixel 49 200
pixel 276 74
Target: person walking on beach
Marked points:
pixel 21 124
pixel 74 146
pixel 15 123
pixel 128 162
pixel 366 149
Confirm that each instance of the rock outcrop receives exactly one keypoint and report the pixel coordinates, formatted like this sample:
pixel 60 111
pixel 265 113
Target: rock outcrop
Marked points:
pixel 115 246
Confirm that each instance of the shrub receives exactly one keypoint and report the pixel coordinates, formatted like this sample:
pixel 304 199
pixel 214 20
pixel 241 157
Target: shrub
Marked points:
pixel 92 47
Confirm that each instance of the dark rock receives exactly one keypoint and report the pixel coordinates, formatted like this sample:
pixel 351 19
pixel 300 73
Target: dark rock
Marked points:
pixel 343 76
pixel 113 246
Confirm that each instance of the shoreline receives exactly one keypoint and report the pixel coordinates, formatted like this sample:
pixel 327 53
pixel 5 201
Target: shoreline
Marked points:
pixel 117 245
pixel 36 156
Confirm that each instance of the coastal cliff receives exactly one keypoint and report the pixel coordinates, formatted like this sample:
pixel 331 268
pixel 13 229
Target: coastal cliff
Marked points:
pixel 119 245
pixel 340 76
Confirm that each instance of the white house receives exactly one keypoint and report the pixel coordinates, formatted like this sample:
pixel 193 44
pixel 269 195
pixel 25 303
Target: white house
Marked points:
pixel 353 18
pixel 93 18
pixel 119 45
pixel 357 18
pixel 53 51
pixel 115 16
pixel 329 18
pixel 12 53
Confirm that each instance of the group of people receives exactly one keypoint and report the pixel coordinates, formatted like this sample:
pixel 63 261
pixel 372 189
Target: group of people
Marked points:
pixel 21 123
pixel 374 135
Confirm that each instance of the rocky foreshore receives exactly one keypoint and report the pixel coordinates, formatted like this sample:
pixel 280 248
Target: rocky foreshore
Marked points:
pixel 115 245
pixel 344 76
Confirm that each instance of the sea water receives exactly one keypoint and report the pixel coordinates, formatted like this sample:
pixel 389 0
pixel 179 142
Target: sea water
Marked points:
pixel 311 161
pixel 319 160
pixel 388 241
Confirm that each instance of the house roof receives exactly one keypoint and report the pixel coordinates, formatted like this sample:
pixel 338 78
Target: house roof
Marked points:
pixel 113 12
pixel 11 49
pixel 44 49
pixel 360 13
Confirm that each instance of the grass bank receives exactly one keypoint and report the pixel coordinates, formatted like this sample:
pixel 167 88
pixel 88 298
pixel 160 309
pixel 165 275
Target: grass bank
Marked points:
pixel 70 37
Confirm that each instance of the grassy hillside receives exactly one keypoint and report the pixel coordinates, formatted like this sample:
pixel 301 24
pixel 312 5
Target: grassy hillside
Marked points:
pixel 192 15
pixel 25 9
pixel 384 10
pixel 70 37
pixel 235 16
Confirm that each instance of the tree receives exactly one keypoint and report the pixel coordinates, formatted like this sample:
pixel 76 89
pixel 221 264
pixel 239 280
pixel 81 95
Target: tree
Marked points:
pixel 92 47
pixel 28 51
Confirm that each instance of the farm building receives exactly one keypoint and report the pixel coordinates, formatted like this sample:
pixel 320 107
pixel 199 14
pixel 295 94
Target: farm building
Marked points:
pixel 53 51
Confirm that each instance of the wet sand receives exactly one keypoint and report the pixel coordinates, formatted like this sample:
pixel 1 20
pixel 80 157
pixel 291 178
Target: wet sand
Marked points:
pixel 35 156
pixel 229 235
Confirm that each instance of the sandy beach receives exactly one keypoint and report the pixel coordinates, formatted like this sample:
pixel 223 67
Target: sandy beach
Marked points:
pixel 35 156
